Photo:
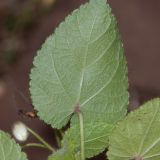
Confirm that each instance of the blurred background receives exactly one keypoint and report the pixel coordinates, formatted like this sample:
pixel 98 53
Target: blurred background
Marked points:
pixel 25 24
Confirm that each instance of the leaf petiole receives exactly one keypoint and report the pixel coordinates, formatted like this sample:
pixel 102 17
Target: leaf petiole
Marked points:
pixel 58 138
pixel 41 140
pixel 34 145
pixel 81 135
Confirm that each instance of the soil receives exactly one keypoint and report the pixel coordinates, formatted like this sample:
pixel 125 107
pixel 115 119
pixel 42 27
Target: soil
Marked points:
pixel 139 24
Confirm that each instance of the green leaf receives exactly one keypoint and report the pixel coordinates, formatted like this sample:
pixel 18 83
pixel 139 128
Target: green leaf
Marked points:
pixel 62 154
pixel 66 153
pixel 82 64
pixel 9 150
pixel 96 137
pixel 138 135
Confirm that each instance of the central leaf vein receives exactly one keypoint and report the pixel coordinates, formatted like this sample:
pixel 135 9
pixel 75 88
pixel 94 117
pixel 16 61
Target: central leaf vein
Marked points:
pixel 85 56
pixel 104 86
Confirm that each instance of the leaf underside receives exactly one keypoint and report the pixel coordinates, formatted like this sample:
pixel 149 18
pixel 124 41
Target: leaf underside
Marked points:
pixel 82 64
pixel 138 135
pixel 9 150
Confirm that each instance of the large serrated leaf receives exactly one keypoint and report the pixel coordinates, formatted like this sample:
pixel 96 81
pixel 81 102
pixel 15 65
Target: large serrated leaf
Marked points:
pixel 81 64
pixel 9 150
pixel 137 137
pixel 96 137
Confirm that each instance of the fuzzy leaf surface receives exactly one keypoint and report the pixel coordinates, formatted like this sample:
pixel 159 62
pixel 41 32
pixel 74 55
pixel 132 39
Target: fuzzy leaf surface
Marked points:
pixel 65 153
pixel 138 135
pixel 62 155
pixel 82 64
pixel 9 150
pixel 96 137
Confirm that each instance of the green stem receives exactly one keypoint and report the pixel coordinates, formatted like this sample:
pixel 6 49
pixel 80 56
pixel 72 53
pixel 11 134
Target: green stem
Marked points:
pixel 41 140
pixel 34 145
pixel 61 133
pixel 81 135
pixel 57 139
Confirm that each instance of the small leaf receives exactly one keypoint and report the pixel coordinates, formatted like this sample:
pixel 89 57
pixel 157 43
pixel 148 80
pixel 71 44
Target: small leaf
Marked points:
pixel 96 137
pixel 81 64
pixel 9 150
pixel 137 137
pixel 66 153
pixel 62 155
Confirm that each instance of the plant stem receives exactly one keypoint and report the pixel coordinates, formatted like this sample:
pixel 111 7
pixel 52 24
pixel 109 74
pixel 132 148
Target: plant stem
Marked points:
pixel 34 145
pixel 41 140
pixel 57 139
pixel 61 133
pixel 81 135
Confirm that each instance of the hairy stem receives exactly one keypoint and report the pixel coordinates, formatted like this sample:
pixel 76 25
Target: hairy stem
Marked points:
pixel 34 145
pixel 57 139
pixel 41 140
pixel 81 135
pixel 61 133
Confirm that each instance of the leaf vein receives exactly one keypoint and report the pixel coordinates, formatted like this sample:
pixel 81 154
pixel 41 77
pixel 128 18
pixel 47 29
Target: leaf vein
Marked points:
pixel 85 57
pixel 53 63
pixel 147 131
pixel 105 85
